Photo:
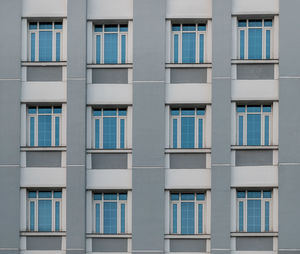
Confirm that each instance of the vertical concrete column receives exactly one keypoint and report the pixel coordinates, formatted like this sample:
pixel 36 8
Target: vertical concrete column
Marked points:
pixel 10 90
pixel 76 108
pixel 148 133
pixel 221 126
pixel 289 127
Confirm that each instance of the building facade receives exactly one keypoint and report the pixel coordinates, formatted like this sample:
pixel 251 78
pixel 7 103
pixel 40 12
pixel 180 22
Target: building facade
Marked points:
pixel 149 126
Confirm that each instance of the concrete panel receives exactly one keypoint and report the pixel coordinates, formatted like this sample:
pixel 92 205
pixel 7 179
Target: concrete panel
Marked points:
pixel 255 6
pixel 255 71
pixel 110 76
pixel 75 252
pixel 49 73
pixel 109 245
pixel 254 243
pixel 188 75
pixel 253 157
pixel 43 243
pixel 188 245
pixel 44 8
pixel 10 251
pixel 43 159
pixel 289 252
pixel 188 160
pixel 189 8
pixel 109 161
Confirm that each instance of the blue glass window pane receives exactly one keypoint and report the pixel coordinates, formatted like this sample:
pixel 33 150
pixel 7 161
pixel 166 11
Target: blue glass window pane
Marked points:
pixel 57 216
pixel 44 130
pixel 110 112
pixel 254 194
pixel 175 48
pixel 253 216
pixel 31 194
pixel 122 133
pixel 110 218
pixel 58 25
pixel 175 27
pixel 255 23
pixel 188 47
pixel 32 215
pixel 241 130
pixel 32 25
pixel 32 110
pixel 267 194
pixel 200 219
pixel 57 194
pixel 98 28
pixel 268 44
pixel 97 196
pixel 109 132
pixel 188 27
pixel 266 108
pixel 111 28
pixel 111 48
pixel 123 196
pixel 45 25
pixel 45 110
pixel 174 230
pixel 97 112
pixel 174 133
pixel 268 23
pixel 266 130
pixel 200 112
pixel 98 48
pixel 45 46
pixel 241 194
pixel 188 112
pixel 122 112
pixel 122 218
pixel 97 133
pixel 240 109
pixel 200 196
pixel 201 27
pixel 242 23
pixel 57 46
pixel 56 131
pixel 110 196
pixel 123 28
pixel 200 133
pixel 201 48
pixel 188 196
pixel 187 218
pixel 44 215
pixel 253 129
pixel 187 132
pixel 45 194
pixel 255 43
pixel 254 109
pixel 175 196
pixel 175 112
pixel 123 49
pixel 32 47
pixel 242 44
pixel 97 218
pixel 57 110
pixel 267 216
pixel 241 216
pixel 32 120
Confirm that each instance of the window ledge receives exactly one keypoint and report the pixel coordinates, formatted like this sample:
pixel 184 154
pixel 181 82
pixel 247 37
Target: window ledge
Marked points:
pixel 256 61
pixel 196 150
pixel 186 65
pixel 254 147
pixel 37 148
pixel 30 233
pixel 109 150
pixel 202 236
pixel 62 63
pixel 94 235
pixel 254 234
pixel 109 66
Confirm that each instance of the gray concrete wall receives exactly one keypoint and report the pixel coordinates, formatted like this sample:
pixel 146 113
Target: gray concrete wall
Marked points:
pixel 148 126
pixel 10 88
pixel 289 125
pixel 221 127
pixel 76 108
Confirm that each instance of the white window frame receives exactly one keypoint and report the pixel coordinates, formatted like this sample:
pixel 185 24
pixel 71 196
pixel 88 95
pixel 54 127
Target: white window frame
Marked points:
pixel 262 127
pixel 36 211
pixel 263 200
pixel 264 31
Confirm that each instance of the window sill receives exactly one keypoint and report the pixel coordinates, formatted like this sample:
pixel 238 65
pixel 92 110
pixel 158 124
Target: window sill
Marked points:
pixel 188 150
pixel 37 233
pixel 255 61
pixel 254 147
pixel 61 63
pixel 94 235
pixel 109 66
pixel 48 148
pixel 109 150
pixel 246 234
pixel 188 65
pixel 175 236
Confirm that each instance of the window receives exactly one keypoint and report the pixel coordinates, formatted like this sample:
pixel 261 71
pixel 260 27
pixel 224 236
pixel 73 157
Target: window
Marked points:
pixel 188 213
pixel 44 210
pixel 254 210
pixel 110 213
pixel 109 128
pixel 45 41
pixel 254 125
pixel 188 43
pixel 255 38
pixel 187 126
pixel 44 126
pixel 110 44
